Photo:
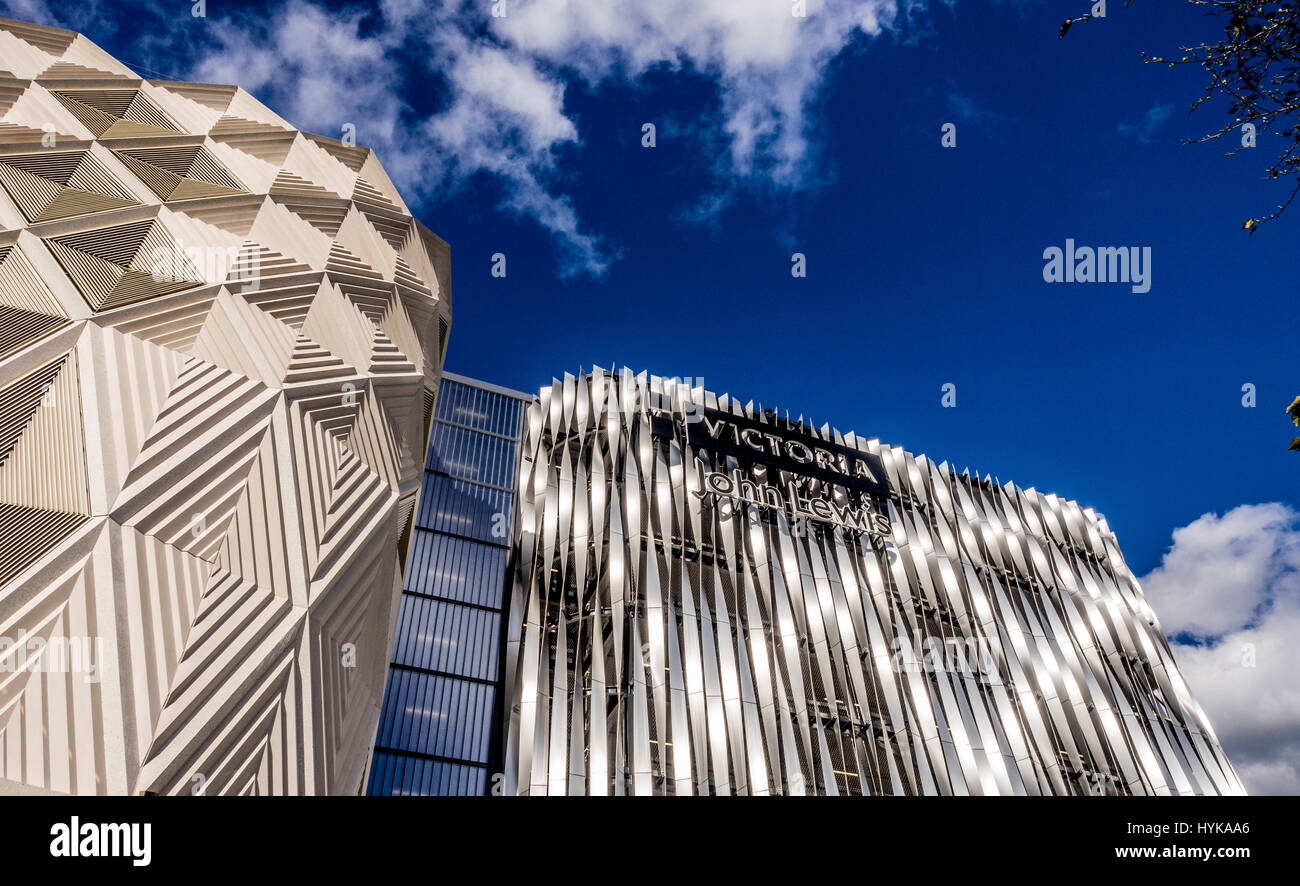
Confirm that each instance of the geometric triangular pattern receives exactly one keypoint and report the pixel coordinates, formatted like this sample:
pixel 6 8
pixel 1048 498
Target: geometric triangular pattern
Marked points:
pixel 348 494
pixel 219 337
pixel 19 404
pixel 39 740
pixel 180 173
pixel 116 113
pixel 53 41
pixel 121 264
pixel 42 464
pixel 43 493
pixel 28 312
pixel 53 185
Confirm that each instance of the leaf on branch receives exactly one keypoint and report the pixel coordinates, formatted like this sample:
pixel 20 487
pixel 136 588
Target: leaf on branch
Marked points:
pixel 1294 411
pixel 1295 444
pixel 1250 225
pixel 1070 22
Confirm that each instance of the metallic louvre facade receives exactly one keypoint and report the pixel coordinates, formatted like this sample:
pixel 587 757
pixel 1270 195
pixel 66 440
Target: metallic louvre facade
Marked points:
pixel 439 731
pixel 220 344
pixel 707 598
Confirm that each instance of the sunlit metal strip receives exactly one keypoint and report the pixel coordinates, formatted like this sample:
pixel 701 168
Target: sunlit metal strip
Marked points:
pixel 672 639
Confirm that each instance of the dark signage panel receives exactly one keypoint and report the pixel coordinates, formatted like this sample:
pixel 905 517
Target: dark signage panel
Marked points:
pixel 788 450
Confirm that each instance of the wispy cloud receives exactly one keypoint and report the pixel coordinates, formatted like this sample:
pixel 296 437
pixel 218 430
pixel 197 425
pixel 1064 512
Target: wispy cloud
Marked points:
pixel 964 109
pixel 1230 587
pixel 1145 129
pixel 30 11
pixel 77 17
pixel 767 61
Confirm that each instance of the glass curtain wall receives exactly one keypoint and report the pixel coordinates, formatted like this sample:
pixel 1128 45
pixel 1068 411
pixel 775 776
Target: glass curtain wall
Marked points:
pixel 437 734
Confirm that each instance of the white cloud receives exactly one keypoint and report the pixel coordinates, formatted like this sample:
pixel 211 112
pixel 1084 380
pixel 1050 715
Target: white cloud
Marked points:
pixel 1145 129
pixel 1222 571
pixel 30 11
pixel 506 118
pixel 320 69
pixel 767 61
pixel 1234 581
pixel 503 112
pixel 83 15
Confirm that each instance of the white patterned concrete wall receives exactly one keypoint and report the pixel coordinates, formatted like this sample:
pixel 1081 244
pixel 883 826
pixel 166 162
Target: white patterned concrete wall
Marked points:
pixel 220 341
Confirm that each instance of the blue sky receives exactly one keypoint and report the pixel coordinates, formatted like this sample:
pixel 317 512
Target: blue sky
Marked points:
pixel 522 135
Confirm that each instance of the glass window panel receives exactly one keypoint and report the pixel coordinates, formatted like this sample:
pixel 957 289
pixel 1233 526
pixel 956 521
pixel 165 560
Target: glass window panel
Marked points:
pixel 456 568
pixel 461 508
pixel 396 775
pixel 469 455
pixel 438 716
pixel 448 637
pixel 479 409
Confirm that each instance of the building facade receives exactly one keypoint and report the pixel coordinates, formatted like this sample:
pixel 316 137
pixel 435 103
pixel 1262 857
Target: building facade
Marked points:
pixel 708 598
pixel 223 569
pixel 440 730
pixel 220 344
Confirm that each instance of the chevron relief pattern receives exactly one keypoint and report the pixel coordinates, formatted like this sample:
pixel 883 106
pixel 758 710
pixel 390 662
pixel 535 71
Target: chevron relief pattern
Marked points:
pixel 220 338
pixel 121 264
pixel 28 311
pixel 52 185
pixel 180 173
pixel 43 491
pixel 116 113
pixel 665 639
